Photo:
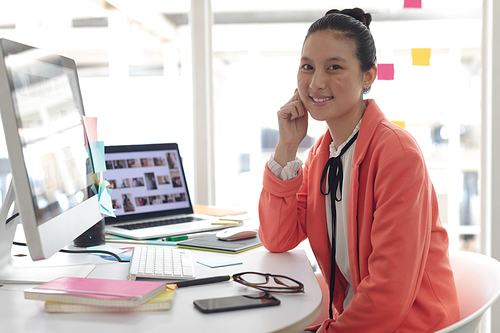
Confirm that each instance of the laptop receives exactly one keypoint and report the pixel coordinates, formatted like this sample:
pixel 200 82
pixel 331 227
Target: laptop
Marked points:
pixel 150 194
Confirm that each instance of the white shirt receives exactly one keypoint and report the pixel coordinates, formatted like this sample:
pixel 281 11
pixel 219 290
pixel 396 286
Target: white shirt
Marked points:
pixel 291 170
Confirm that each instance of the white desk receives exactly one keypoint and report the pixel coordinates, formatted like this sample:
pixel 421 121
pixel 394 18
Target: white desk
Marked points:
pixel 295 312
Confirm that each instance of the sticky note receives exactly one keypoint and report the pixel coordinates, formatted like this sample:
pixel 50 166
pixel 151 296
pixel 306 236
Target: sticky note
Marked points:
pixel 219 262
pixel 124 253
pixel 89 129
pixel 95 180
pixel 421 57
pixel 96 151
pixel 399 123
pixel 105 203
pixel 385 71
pixel 413 4
pixel 94 189
pixel 89 153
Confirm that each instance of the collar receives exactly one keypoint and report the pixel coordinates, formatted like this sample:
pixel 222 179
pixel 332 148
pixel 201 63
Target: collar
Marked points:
pixel 334 151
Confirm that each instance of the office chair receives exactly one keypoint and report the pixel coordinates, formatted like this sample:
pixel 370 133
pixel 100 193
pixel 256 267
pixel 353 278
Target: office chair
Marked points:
pixel 477 278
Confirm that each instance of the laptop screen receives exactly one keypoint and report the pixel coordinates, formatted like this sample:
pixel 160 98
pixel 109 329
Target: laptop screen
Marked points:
pixel 148 181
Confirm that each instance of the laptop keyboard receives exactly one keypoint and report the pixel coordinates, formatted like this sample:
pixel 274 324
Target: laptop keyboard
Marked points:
pixel 161 262
pixel 157 223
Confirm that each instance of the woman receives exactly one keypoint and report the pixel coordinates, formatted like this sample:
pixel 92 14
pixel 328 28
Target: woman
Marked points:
pixel 365 182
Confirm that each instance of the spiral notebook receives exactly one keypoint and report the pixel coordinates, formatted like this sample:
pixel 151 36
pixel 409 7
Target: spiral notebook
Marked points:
pixel 212 243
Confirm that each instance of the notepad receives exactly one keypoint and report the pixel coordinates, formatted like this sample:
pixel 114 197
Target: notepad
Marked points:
pixel 97 292
pixel 214 211
pixel 212 243
pixel 161 302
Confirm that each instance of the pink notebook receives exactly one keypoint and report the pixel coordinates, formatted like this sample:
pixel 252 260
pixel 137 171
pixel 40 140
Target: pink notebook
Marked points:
pixel 100 292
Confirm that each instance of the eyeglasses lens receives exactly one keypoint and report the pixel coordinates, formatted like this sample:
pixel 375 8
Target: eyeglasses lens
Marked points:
pixel 285 282
pixel 254 278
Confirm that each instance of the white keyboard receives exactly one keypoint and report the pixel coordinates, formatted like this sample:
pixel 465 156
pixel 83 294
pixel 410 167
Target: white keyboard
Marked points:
pixel 162 262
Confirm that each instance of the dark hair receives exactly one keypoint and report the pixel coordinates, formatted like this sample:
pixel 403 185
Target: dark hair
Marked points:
pixel 353 24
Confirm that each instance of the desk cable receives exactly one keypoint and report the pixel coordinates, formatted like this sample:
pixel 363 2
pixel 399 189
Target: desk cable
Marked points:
pixel 11 218
pixel 69 251
pixel 84 251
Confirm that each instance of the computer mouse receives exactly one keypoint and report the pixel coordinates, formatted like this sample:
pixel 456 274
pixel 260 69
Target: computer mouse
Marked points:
pixel 236 233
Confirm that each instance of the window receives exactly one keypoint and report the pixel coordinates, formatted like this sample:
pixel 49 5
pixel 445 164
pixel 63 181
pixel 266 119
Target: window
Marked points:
pixel 134 63
pixel 256 56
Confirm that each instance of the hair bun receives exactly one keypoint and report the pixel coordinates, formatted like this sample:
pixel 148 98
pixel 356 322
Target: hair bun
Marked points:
pixel 357 13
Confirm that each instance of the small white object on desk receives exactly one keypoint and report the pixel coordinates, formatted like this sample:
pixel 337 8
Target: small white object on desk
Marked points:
pixel 236 233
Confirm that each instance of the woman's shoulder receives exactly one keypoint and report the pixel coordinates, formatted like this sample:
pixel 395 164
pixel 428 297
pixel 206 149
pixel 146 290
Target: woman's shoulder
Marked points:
pixel 382 140
pixel 395 137
pixel 375 127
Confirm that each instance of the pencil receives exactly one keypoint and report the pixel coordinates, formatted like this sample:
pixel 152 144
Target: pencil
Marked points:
pixel 208 280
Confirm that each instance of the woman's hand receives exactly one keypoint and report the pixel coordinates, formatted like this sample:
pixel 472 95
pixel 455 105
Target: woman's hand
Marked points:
pixel 292 120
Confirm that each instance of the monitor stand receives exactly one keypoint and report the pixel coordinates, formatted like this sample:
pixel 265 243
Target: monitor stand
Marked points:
pixel 32 272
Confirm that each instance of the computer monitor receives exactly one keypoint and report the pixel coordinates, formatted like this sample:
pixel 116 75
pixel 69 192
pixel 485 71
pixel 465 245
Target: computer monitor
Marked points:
pixel 41 109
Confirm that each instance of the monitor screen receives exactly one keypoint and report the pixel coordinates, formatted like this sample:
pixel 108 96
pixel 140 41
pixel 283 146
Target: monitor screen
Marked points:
pixel 42 109
pixel 48 114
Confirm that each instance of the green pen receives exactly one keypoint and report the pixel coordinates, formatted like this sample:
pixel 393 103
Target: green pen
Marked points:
pixel 175 238
pixel 161 242
pixel 118 239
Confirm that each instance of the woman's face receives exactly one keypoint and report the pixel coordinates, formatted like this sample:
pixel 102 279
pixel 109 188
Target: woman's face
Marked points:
pixel 330 81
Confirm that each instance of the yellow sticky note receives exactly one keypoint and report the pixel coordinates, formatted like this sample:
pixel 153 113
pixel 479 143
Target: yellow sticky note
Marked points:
pixel 95 179
pixel 421 57
pixel 399 123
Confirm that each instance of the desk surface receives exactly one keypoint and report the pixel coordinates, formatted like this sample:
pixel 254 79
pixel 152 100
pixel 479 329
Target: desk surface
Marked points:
pixel 295 312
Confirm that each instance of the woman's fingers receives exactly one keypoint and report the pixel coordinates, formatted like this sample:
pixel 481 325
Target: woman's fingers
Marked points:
pixel 294 108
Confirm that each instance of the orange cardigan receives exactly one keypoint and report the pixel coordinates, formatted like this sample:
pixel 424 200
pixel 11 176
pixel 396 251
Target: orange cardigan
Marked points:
pixel 398 248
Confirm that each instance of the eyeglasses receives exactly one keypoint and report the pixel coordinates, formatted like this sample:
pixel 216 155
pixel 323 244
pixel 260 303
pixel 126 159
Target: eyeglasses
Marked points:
pixel 259 281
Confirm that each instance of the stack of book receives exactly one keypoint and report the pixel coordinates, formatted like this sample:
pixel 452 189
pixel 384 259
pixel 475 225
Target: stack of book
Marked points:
pixel 69 294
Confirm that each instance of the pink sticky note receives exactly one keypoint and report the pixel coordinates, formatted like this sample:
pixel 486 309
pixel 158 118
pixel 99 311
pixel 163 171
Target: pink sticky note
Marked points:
pixel 90 129
pixel 413 4
pixel 385 71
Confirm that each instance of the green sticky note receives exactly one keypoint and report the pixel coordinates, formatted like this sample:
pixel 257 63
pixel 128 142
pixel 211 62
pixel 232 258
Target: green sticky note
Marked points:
pixel 220 262
pixel 97 152
pixel 105 203
pixel 89 153
pixel 94 189
pixel 421 57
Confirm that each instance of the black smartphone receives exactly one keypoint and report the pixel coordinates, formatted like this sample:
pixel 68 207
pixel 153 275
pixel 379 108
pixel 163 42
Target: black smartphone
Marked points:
pixel 236 302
